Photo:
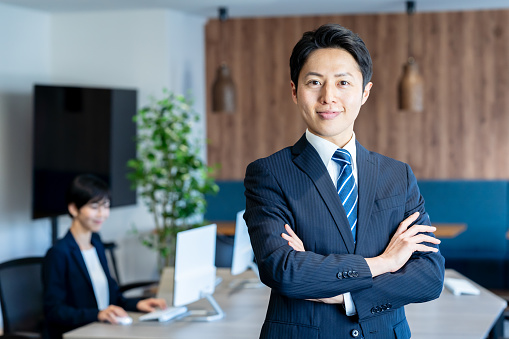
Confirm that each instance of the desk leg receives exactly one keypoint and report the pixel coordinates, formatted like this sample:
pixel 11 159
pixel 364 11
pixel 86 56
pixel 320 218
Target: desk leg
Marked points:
pixel 498 328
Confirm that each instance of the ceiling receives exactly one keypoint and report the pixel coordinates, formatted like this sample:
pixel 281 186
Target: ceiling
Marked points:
pixel 255 8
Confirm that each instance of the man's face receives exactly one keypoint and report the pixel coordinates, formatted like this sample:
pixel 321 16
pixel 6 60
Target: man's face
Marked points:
pixel 330 94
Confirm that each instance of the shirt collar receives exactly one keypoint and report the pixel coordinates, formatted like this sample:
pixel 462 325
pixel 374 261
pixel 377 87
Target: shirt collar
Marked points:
pixel 326 148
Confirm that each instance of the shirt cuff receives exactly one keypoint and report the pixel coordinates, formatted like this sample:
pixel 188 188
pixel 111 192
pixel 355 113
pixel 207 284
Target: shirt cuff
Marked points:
pixel 349 305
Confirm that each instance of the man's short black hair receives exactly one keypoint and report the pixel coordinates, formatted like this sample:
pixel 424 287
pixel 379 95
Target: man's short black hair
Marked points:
pixel 87 188
pixel 331 36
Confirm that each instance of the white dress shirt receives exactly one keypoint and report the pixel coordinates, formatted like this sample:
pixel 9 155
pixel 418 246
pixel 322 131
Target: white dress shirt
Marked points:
pixel 326 150
pixel 98 278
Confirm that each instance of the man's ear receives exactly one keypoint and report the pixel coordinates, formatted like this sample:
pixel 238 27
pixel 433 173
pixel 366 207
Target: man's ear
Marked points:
pixel 367 90
pixel 73 210
pixel 294 92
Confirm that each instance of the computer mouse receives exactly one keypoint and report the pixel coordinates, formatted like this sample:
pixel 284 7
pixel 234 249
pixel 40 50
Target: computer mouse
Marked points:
pixel 124 320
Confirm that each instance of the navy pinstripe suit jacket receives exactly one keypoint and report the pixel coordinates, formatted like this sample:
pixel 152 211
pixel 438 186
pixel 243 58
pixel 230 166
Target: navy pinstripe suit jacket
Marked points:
pixel 293 186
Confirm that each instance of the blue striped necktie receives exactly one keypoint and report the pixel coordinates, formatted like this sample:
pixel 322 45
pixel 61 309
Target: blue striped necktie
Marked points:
pixel 347 189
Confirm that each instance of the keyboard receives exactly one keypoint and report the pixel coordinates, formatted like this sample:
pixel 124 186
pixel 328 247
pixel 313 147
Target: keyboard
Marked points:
pixel 460 286
pixel 164 315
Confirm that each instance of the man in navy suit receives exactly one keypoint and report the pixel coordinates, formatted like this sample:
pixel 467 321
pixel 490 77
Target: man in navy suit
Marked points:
pixel 339 272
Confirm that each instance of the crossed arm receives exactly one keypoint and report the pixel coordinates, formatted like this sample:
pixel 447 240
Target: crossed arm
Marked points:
pixel 403 244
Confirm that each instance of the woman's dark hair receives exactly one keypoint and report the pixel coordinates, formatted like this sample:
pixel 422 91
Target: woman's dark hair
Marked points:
pixel 86 188
pixel 331 36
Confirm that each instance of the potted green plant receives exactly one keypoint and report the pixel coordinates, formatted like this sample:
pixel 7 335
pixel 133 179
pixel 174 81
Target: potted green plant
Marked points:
pixel 168 172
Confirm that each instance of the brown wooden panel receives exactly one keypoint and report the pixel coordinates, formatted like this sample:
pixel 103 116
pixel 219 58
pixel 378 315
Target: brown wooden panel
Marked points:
pixel 464 59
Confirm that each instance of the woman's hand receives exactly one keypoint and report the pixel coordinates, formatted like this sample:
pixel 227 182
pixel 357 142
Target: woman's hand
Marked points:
pixel 150 304
pixel 110 314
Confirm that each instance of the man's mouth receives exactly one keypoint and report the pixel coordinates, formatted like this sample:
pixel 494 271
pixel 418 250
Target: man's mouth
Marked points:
pixel 329 114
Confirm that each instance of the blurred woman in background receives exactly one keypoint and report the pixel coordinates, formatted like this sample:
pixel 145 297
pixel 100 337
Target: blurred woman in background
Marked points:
pixel 78 287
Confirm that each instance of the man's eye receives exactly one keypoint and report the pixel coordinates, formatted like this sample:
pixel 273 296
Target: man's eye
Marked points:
pixel 343 83
pixel 314 82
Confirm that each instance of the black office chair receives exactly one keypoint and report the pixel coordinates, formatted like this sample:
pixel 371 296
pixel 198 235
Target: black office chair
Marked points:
pixel 110 249
pixel 21 298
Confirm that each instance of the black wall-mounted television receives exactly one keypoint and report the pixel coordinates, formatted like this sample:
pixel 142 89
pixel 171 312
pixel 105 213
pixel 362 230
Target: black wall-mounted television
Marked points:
pixel 81 130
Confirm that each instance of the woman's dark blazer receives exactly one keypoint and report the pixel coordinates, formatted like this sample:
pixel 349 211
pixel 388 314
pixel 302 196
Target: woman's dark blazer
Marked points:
pixel 69 299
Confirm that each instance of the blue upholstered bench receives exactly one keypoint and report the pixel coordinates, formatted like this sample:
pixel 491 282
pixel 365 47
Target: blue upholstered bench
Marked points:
pixel 481 251
pixel 481 205
pixel 224 207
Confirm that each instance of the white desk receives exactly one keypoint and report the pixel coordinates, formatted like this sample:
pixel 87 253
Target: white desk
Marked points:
pixel 449 317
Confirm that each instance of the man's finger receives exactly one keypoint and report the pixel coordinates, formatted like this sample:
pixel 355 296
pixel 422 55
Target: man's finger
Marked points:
pixel 424 248
pixel 416 229
pixel 292 234
pixel 290 231
pixel 420 238
pixel 408 221
pixel 403 226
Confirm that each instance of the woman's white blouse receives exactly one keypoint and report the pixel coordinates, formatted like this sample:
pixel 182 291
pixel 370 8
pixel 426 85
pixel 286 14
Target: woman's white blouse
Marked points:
pixel 98 277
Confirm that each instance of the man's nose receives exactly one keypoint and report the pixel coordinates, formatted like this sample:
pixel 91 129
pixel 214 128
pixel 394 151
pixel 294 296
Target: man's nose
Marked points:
pixel 329 94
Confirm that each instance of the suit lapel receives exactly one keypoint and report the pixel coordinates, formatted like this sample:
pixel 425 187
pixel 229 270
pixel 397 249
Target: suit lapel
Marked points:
pixel 78 257
pixel 308 160
pixel 367 170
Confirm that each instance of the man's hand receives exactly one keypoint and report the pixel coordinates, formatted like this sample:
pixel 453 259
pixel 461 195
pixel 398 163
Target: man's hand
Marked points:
pixel 295 242
pixel 110 314
pixel 404 242
pixel 293 239
pixel 150 304
pixel 339 299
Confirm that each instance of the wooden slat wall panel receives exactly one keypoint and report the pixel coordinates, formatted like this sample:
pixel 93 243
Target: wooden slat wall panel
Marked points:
pixel 463 56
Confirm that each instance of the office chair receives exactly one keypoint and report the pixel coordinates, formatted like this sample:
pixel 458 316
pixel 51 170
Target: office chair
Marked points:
pixel 110 249
pixel 21 298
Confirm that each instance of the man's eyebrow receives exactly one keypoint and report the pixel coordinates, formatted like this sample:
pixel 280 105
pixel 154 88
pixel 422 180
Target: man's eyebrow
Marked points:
pixel 345 74
pixel 348 74
pixel 313 73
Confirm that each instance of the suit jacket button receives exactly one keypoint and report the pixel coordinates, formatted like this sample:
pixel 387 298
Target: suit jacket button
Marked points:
pixel 339 276
pixel 373 310
pixel 350 274
pixel 345 274
pixel 354 333
pixel 389 306
pixel 355 274
pixel 378 309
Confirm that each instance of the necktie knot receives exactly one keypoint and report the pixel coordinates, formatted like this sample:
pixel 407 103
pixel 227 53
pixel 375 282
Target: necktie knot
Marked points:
pixel 342 157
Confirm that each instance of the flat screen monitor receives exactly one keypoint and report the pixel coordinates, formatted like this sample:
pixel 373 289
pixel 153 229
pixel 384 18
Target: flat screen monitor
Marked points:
pixel 195 271
pixel 243 255
pixel 81 130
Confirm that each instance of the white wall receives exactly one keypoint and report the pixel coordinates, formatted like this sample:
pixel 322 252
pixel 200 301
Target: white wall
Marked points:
pixel 146 50
pixel 24 59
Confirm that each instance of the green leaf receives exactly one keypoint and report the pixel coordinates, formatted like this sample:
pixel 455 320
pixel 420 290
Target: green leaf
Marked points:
pixel 167 172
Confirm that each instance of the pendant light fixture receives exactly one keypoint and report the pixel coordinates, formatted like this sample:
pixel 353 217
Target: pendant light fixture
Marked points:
pixel 223 88
pixel 411 87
